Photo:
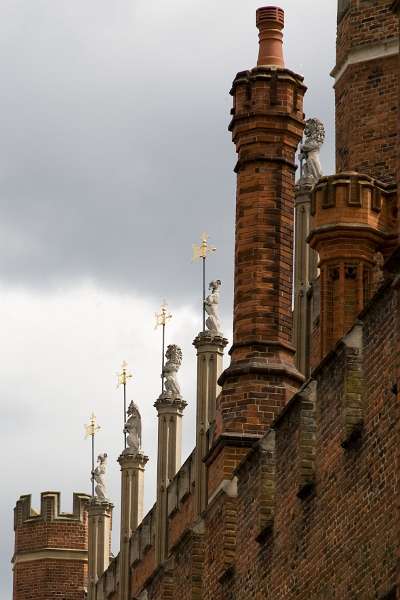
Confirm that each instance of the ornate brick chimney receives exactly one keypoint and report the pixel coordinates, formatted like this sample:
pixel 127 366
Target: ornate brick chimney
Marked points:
pixel 267 126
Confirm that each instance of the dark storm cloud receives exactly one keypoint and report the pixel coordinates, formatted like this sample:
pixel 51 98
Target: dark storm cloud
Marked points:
pixel 114 157
pixel 114 151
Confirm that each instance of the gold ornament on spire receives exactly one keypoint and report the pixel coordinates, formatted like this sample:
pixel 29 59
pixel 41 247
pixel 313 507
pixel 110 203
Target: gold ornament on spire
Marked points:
pixel 92 428
pixel 202 250
pixel 163 316
pixel 124 375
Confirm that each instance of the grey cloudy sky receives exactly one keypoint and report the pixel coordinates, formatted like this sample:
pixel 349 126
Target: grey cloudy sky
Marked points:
pixel 114 157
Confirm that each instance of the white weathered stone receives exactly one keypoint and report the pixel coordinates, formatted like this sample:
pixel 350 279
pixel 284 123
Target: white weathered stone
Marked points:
pixel 170 371
pixel 309 151
pixel 211 305
pixel 133 427
pixel 99 475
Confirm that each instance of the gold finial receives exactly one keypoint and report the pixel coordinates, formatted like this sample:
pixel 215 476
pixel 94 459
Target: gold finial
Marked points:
pixel 163 316
pixel 92 428
pixel 124 375
pixel 203 249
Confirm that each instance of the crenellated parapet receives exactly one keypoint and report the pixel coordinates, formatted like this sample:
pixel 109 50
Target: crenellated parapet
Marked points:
pixel 50 509
pixel 351 200
pixel 46 538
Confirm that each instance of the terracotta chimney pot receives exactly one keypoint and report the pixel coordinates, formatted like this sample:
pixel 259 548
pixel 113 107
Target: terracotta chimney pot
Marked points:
pixel 270 22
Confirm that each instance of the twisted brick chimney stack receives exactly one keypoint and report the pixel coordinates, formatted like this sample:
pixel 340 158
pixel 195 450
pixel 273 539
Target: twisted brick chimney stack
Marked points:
pixel 267 126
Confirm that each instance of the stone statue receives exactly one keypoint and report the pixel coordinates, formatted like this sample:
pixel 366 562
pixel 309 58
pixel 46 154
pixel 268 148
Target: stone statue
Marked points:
pixel 133 427
pixel 211 304
pixel 171 367
pixel 99 477
pixel 309 151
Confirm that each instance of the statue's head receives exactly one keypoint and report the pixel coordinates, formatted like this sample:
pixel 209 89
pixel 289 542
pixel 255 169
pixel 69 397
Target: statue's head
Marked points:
pixel 174 354
pixel 133 410
pixel 315 131
pixel 214 285
pixel 102 458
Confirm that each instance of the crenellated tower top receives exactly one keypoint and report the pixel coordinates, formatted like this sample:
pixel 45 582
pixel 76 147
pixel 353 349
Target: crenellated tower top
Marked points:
pixel 47 538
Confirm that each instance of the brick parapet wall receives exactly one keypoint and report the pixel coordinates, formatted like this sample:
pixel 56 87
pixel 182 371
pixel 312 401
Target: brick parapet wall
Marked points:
pixel 50 557
pixel 316 513
pixel 321 546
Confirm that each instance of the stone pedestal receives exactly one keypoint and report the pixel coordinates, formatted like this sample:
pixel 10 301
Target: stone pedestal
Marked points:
pixel 132 487
pixel 170 410
pixel 305 272
pixel 210 351
pixel 99 541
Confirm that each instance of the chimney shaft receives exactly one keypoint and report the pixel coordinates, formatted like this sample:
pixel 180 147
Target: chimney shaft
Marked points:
pixel 270 22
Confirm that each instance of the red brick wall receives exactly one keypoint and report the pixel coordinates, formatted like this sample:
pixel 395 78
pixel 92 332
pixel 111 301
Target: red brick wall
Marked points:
pixel 189 567
pixel 142 572
pixel 220 547
pixel 341 540
pixel 49 578
pixel 317 513
pixel 180 520
pixel 367 93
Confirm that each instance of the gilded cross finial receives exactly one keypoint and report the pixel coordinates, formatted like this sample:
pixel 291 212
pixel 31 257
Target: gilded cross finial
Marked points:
pixel 202 250
pixel 124 375
pixel 163 316
pixel 92 428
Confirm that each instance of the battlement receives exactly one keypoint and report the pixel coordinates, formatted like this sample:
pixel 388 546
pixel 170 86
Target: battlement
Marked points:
pixel 50 528
pixel 355 203
pixel 50 503
pixel 54 546
pixel 278 90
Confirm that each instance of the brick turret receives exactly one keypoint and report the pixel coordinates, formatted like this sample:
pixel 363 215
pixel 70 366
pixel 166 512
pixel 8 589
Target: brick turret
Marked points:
pixel 267 126
pixel 50 558
pixel 366 87
pixel 352 219
pixel 355 213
